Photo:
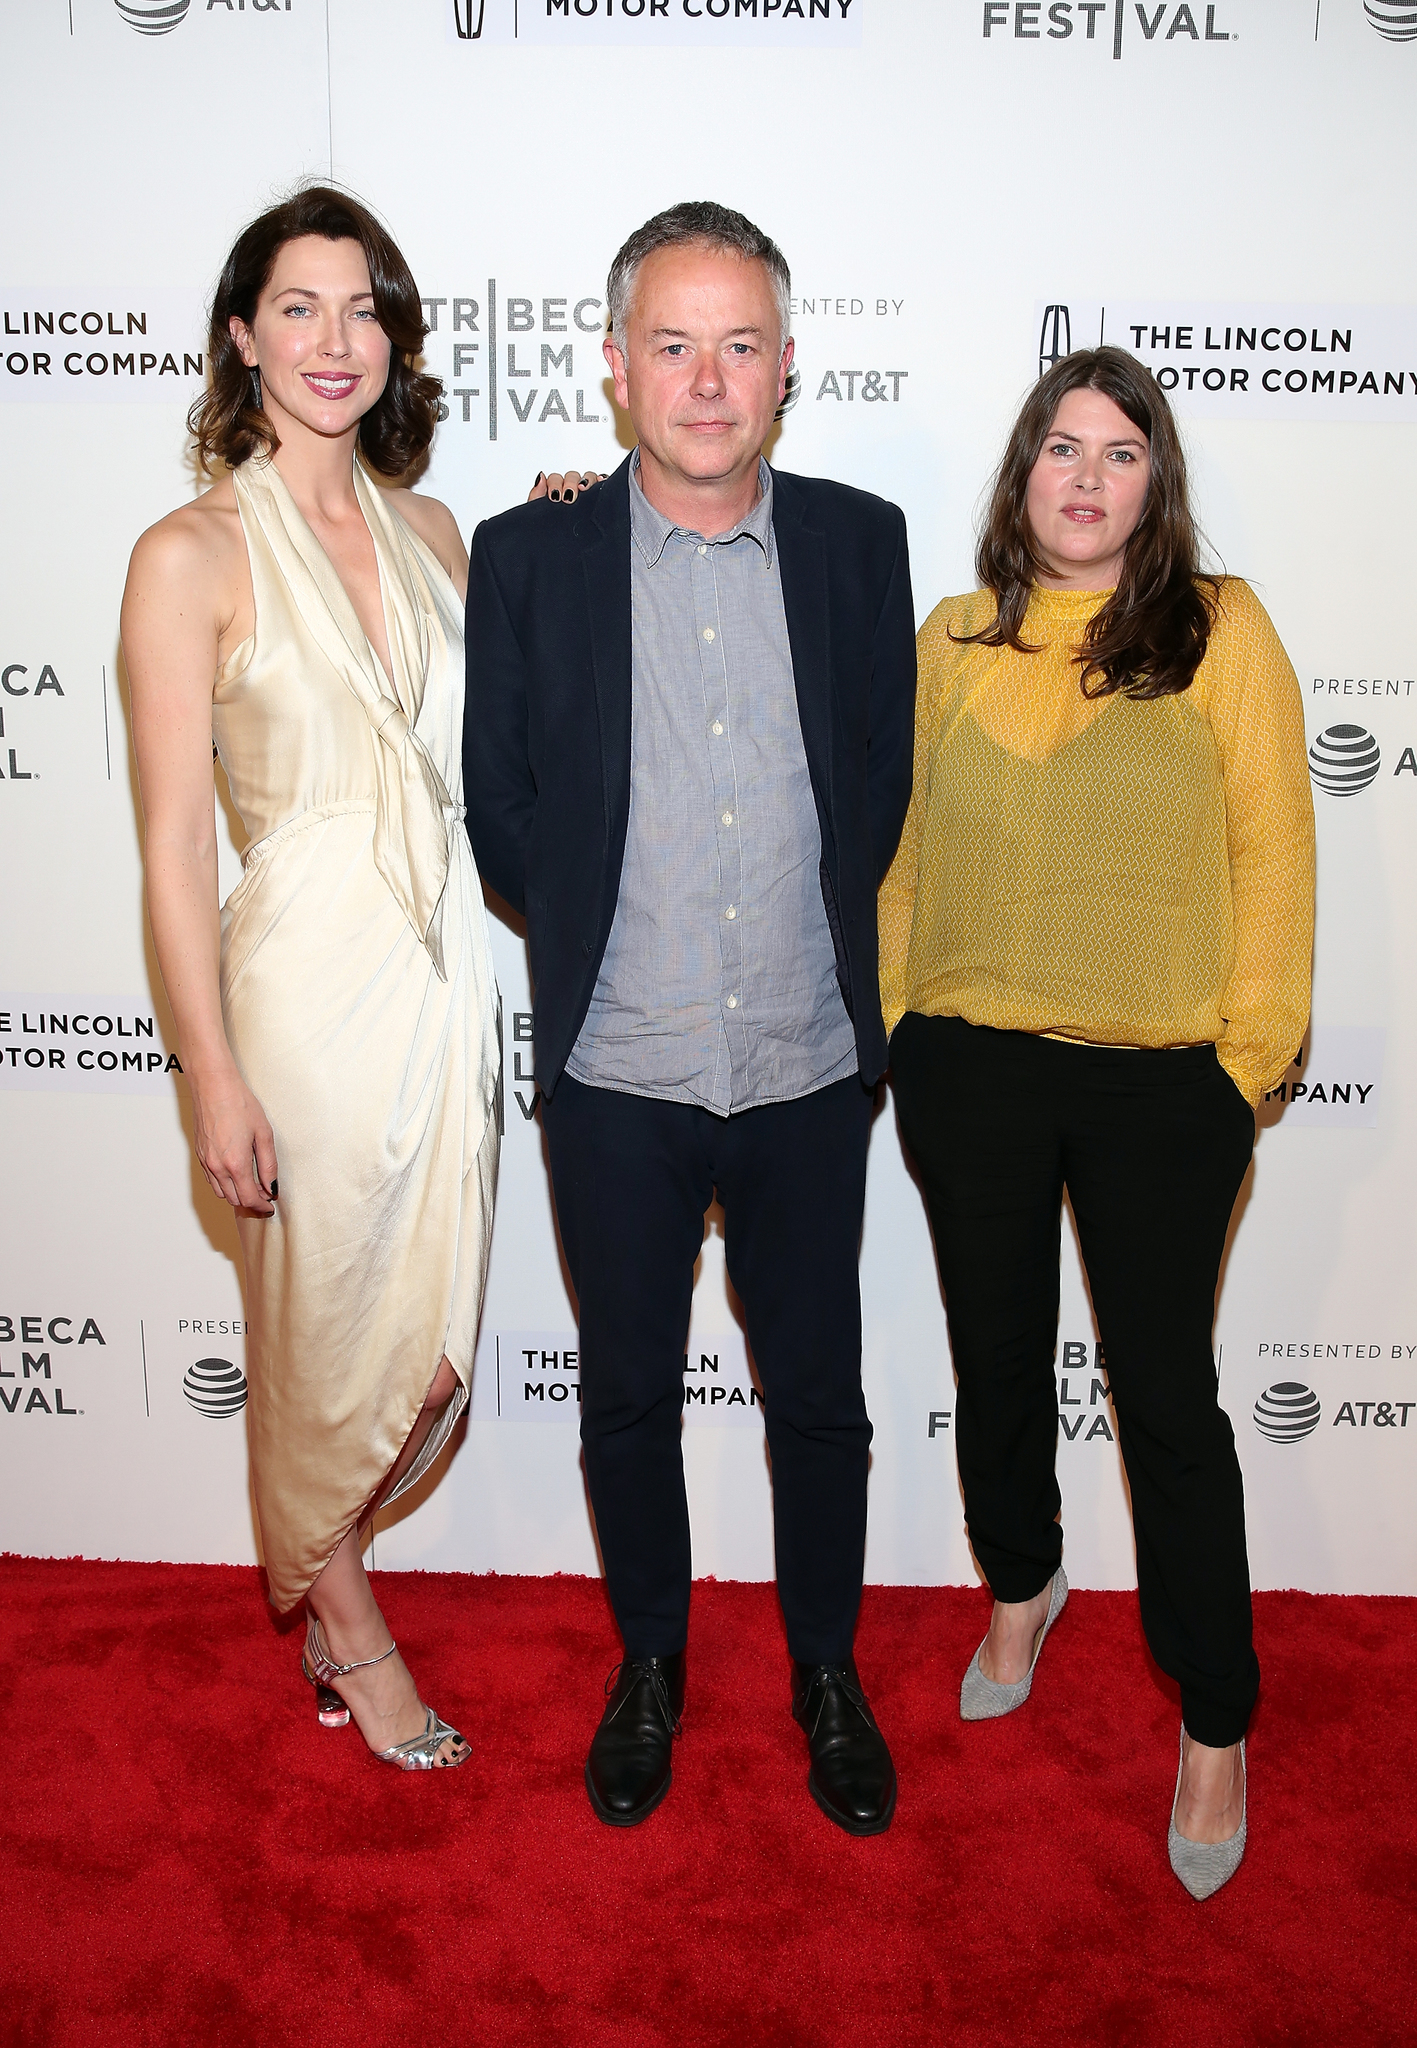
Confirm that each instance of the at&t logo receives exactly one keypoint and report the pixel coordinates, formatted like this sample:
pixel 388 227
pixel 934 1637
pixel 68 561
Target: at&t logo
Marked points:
pixel 1287 1413
pixel 1344 759
pixel 1394 20
pixel 215 1387
pixel 153 17
pixel 161 17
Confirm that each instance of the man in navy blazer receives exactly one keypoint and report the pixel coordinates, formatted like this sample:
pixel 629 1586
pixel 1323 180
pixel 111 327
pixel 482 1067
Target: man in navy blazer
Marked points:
pixel 689 732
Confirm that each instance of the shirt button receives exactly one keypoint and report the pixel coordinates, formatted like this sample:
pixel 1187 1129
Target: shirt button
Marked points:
pixel 732 1002
pixel 731 911
pixel 717 727
pixel 703 550
pixel 728 817
pixel 708 632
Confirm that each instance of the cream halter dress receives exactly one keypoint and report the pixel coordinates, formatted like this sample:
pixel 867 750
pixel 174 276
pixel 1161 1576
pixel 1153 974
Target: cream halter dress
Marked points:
pixel 361 1007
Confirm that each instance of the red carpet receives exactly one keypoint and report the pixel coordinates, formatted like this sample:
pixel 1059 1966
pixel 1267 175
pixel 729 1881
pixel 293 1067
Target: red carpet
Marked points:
pixel 187 1857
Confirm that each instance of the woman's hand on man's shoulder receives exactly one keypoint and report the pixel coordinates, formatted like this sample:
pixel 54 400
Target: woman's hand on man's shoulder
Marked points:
pixel 563 486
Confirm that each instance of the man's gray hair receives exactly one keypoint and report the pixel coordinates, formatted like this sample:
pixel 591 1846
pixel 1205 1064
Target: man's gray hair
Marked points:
pixel 712 226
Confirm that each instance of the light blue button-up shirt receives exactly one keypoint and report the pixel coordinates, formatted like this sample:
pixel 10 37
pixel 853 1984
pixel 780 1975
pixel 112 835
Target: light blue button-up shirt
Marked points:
pixel 719 983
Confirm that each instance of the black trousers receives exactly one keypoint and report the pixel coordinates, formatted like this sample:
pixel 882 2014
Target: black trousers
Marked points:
pixel 632 1178
pixel 1152 1147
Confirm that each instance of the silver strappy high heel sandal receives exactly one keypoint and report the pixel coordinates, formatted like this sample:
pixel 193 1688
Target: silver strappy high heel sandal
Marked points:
pixel 419 1753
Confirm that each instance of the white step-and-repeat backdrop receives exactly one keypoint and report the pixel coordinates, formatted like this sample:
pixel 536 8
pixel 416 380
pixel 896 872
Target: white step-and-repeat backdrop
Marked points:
pixel 963 188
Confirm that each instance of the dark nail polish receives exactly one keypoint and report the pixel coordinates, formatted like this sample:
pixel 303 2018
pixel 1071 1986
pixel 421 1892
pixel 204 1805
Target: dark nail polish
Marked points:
pixel 540 478
pixel 275 1189
pixel 556 497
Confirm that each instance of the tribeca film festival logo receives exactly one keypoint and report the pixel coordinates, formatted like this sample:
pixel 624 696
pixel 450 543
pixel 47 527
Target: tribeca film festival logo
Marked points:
pixel 161 17
pixel 61 344
pixel 525 1092
pixel 537 359
pixel 83 1045
pixel 657 24
pixel 525 367
pixel 1084 1397
pixel 1023 21
pixel 34 680
pixel 31 720
pixel 1236 361
pixel 27 1382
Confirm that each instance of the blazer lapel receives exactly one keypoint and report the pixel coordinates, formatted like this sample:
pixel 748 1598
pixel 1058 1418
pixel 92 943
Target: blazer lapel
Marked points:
pixel 605 565
pixel 802 564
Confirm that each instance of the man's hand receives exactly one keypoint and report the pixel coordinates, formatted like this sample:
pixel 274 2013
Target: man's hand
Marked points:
pixel 565 488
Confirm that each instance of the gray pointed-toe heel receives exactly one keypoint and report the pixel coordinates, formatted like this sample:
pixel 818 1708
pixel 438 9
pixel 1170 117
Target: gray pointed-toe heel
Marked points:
pixel 984 1699
pixel 1203 1867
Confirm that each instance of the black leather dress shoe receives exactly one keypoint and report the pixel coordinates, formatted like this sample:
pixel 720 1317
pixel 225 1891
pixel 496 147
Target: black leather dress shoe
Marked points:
pixel 627 1772
pixel 852 1777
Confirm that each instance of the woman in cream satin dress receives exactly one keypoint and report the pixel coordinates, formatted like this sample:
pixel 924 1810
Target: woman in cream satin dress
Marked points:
pixel 340 1034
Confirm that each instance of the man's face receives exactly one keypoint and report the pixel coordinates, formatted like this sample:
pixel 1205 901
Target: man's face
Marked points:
pixel 702 365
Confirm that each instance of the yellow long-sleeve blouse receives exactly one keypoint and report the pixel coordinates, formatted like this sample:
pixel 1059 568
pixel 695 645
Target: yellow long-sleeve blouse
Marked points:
pixel 1118 872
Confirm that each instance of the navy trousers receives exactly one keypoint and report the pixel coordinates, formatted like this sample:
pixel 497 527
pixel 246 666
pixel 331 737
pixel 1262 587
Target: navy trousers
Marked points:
pixel 632 1178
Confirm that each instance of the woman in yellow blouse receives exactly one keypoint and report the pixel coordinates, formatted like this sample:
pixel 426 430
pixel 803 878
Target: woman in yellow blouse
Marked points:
pixel 1095 957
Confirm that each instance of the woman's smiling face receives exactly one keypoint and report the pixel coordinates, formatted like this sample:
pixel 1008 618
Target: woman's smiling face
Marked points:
pixel 316 339
pixel 1086 492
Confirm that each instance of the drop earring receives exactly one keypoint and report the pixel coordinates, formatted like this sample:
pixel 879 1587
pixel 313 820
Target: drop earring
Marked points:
pixel 256 386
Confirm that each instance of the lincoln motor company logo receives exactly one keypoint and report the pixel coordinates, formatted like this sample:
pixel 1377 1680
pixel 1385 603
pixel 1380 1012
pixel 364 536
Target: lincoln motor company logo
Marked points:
pixel 658 23
pixel 1056 340
pixel 1255 360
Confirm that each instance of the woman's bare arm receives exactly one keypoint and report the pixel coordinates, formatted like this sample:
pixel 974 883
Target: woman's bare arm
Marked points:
pixel 173 615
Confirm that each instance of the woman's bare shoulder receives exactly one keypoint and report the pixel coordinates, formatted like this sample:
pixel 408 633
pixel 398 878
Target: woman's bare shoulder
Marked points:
pixel 201 540
pixel 431 521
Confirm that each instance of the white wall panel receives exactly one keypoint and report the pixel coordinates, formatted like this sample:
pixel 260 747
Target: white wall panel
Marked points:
pixel 935 187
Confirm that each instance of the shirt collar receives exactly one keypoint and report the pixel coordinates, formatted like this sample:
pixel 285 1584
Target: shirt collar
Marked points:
pixel 653 532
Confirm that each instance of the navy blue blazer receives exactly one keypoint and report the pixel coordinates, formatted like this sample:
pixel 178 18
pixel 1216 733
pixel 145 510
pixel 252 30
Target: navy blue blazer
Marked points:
pixel 546 748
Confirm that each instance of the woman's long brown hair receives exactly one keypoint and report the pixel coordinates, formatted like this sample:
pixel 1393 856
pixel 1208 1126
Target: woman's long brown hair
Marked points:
pixel 228 423
pixel 1150 636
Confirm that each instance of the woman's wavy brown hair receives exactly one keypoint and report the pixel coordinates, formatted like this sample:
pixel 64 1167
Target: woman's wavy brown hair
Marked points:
pixel 228 423
pixel 1149 638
